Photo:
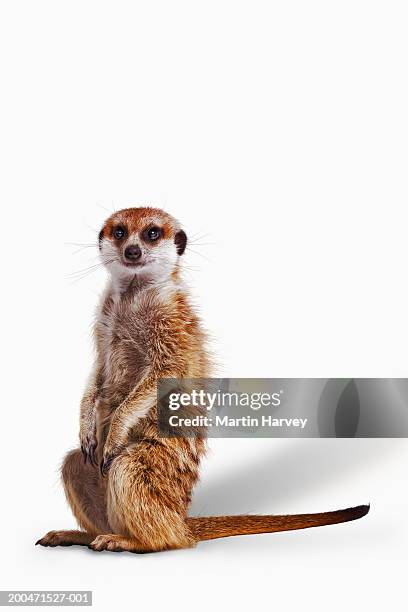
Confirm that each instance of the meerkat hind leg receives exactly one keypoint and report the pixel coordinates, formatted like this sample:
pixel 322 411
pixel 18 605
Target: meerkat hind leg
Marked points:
pixel 66 538
pixel 146 508
pixel 87 498
pixel 85 493
pixel 116 543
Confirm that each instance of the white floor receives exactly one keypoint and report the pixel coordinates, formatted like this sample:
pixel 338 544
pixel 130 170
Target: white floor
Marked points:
pixel 360 564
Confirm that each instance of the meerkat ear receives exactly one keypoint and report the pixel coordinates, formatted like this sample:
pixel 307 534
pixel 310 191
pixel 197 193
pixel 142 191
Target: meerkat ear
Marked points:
pixel 180 240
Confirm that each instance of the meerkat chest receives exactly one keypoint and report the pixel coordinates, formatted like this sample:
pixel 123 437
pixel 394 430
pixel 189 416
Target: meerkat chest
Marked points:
pixel 122 349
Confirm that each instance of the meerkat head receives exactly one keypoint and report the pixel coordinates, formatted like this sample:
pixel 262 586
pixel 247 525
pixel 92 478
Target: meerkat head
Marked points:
pixel 142 242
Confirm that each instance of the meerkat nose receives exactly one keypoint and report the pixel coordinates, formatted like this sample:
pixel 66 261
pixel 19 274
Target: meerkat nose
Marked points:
pixel 133 252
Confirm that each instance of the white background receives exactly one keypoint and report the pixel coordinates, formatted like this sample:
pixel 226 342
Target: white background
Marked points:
pixel 277 133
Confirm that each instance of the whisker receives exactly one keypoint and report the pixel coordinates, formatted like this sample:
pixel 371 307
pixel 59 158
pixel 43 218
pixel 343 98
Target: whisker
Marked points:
pixel 87 271
pixel 104 207
pixel 191 268
pixel 197 253
pixel 202 243
pixel 82 248
pixel 89 268
pixel 82 244
pixel 95 231
pixel 197 236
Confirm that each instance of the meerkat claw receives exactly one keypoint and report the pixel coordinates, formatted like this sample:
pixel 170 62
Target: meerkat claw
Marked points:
pixel 105 465
pixel 92 455
pixel 88 452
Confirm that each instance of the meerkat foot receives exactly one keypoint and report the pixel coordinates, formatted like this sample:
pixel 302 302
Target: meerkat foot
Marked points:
pixel 116 543
pixel 66 538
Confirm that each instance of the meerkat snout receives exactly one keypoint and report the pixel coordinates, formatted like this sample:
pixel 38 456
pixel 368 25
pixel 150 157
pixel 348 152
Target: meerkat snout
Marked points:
pixel 142 242
pixel 133 253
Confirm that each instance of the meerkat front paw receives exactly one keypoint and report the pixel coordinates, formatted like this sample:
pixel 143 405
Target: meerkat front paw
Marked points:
pixel 105 465
pixel 89 445
pixel 113 447
pixel 107 459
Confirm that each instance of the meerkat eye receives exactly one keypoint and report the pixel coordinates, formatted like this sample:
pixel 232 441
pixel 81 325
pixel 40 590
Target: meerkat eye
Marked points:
pixel 119 232
pixel 153 233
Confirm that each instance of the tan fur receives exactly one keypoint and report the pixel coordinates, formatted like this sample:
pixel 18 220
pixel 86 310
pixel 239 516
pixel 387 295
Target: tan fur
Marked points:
pixel 146 329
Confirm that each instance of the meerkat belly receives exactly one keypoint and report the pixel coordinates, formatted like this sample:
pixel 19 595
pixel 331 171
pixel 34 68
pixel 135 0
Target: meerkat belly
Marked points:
pixel 123 359
pixel 123 370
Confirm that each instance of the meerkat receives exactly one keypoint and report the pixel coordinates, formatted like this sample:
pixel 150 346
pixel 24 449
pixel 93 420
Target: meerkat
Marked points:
pixel 129 489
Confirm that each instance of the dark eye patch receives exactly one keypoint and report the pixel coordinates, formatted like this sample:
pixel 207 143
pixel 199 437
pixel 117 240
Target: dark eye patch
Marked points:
pixel 119 232
pixel 151 234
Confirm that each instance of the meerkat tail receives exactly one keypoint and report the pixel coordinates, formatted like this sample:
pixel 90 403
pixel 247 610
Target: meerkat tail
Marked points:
pixel 212 527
